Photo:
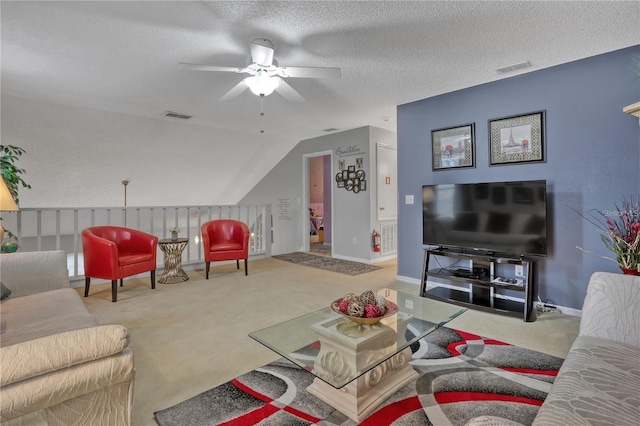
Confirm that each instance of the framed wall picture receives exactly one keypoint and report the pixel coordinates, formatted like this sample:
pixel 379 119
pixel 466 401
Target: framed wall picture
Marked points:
pixel 517 139
pixel 453 147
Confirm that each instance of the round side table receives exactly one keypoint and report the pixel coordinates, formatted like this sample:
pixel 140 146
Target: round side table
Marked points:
pixel 172 249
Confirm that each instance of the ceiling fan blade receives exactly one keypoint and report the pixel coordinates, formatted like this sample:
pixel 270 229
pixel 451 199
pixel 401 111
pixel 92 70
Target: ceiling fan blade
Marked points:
pixel 309 72
pixel 261 55
pixel 234 92
pixel 288 92
pixel 196 67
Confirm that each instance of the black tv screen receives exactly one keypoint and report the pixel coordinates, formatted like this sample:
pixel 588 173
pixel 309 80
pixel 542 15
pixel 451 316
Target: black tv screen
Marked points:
pixel 498 217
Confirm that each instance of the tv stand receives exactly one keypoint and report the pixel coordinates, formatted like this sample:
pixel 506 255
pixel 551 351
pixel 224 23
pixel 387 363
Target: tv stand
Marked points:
pixel 482 282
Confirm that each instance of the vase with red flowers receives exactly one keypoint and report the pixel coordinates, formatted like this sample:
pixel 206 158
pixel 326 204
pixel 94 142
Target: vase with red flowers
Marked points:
pixel 621 234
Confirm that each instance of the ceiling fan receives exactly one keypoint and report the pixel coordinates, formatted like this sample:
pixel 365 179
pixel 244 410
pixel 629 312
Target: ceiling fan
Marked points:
pixel 265 74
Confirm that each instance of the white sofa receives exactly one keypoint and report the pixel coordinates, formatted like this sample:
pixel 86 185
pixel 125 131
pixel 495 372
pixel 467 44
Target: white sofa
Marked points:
pixel 58 365
pixel 598 383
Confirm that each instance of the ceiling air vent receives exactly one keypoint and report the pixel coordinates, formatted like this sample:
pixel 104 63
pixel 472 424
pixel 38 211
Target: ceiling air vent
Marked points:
pixel 513 68
pixel 176 115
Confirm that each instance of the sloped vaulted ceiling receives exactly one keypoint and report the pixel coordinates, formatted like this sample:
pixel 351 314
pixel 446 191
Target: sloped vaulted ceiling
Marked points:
pixel 122 56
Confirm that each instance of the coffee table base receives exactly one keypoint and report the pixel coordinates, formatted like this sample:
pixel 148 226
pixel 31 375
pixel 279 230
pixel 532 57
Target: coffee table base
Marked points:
pixel 364 395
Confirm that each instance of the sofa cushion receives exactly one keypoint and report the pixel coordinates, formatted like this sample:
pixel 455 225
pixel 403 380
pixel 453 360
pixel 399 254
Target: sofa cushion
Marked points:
pixel 91 393
pixel 611 309
pixel 62 350
pixel 597 384
pixel 43 314
pixel 27 273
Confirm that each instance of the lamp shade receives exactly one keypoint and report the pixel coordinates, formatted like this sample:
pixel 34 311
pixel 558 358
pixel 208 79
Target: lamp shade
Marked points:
pixel 262 84
pixel 7 204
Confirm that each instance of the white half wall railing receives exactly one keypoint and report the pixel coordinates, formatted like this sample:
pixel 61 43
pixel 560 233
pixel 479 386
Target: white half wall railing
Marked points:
pixel 40 229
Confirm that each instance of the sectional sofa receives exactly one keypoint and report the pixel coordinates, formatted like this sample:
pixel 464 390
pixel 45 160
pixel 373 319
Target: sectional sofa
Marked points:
pixel 58 365
pixel 598 381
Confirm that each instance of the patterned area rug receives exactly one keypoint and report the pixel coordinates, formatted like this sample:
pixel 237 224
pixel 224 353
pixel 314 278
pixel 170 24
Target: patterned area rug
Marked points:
pixel 347 267
pixel 462 376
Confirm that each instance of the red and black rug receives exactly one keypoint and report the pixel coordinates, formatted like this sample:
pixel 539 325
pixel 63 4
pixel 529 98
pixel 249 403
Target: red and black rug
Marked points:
pixel 462 376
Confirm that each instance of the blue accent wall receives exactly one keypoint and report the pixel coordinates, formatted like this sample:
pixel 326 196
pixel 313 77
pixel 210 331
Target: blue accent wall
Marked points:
pixel 592 159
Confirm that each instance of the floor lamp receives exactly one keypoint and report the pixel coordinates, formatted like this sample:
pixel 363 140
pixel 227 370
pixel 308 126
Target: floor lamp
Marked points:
pixel 7 204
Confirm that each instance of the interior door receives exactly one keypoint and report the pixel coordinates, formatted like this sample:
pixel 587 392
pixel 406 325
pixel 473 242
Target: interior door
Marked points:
pixel 387 167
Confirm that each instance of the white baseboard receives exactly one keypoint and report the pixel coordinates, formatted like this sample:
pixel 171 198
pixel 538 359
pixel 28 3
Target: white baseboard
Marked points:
pixel 384 258
pixel 408 279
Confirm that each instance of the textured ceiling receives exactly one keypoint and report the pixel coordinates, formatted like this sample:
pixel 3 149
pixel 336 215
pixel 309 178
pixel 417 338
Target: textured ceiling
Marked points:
pixel 122 56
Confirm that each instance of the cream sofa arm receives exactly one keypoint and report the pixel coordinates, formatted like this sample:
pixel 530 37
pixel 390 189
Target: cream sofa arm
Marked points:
pixel 59 351
pixel 26 273
pixel 611 308
pixel 79 387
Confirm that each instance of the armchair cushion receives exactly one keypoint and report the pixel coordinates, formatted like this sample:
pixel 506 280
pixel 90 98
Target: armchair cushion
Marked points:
pixel 133 258
pixel 225 246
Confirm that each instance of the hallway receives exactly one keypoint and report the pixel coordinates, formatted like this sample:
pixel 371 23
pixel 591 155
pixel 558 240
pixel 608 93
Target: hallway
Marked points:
pixel 316 247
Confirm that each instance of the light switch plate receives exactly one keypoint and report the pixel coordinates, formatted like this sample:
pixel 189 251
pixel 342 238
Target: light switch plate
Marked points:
pixel 408 199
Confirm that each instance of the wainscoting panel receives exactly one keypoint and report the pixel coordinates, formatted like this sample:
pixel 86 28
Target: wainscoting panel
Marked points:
pixel 389 238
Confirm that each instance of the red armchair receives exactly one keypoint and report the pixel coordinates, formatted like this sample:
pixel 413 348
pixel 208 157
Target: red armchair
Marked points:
pixel 225 239
pixel 113 252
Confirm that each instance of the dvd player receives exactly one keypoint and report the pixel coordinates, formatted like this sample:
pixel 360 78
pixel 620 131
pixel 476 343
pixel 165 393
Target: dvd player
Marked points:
pixel 475 273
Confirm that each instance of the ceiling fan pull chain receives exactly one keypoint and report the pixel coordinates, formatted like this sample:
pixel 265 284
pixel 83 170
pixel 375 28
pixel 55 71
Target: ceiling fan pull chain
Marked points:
pixel 261 109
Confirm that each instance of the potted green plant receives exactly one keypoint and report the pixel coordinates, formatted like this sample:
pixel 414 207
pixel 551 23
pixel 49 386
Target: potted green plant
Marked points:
pixel 174 232
pixel 12 174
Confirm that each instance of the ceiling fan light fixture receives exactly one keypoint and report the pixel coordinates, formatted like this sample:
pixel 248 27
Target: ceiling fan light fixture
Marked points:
pixel 262 84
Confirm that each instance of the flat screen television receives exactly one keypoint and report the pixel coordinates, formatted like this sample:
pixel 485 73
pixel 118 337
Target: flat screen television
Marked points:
pixel 497 217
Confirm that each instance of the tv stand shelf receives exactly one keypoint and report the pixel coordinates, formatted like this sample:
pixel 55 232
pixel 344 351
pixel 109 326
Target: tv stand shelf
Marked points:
pixel 476 285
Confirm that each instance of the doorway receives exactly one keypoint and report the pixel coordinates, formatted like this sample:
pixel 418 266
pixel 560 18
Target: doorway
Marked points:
pixel 318 203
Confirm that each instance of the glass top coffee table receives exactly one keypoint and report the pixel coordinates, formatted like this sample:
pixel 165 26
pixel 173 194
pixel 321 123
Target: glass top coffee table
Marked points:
pixel 356 367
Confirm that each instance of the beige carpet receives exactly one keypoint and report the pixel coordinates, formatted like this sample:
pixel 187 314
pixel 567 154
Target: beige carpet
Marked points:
pixel 192 336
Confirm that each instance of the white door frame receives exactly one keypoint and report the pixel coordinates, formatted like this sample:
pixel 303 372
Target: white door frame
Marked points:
pixel 306 228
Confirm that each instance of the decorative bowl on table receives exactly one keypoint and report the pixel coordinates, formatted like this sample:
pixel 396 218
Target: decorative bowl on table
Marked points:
pixel 366 309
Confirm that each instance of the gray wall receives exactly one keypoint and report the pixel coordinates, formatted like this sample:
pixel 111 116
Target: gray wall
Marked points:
pixel 592 158
pixel 284 188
